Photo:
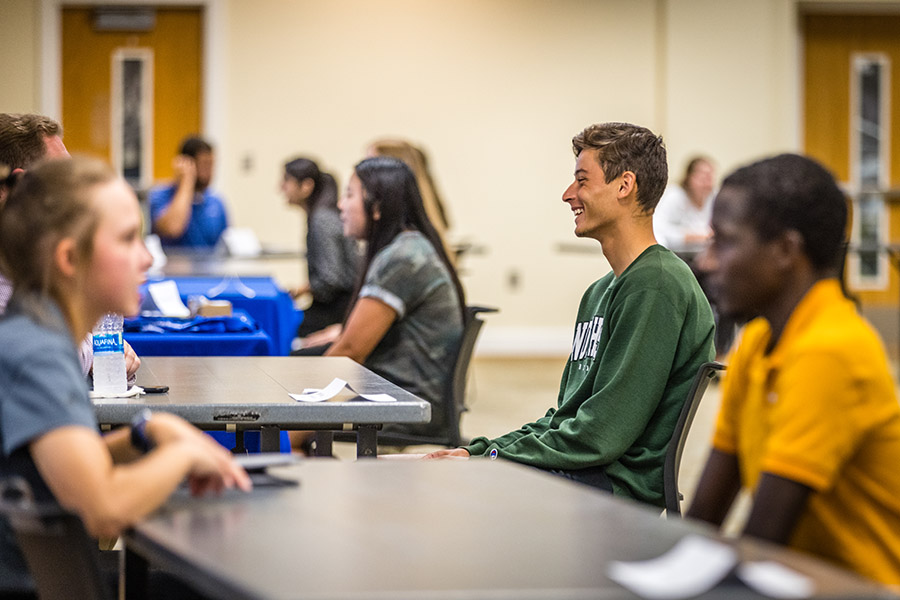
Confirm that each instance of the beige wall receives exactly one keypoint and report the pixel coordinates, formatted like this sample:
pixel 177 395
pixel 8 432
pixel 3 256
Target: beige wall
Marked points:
pixel 494 90
pixel 731 80
pixel 20 49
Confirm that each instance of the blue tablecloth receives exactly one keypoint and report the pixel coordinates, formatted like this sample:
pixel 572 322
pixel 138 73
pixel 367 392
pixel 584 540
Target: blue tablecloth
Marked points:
pixel 252 441
pixel 262 298
pixel 234 336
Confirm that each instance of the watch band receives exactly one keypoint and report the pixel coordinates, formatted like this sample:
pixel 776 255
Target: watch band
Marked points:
pixel 139 437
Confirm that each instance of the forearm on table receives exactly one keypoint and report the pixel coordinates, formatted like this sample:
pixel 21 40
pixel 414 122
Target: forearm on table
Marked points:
pixel 141 486
pixel 479 445
pixel 777 506
pixel 718 487
pixel 557 449
pixel 78 468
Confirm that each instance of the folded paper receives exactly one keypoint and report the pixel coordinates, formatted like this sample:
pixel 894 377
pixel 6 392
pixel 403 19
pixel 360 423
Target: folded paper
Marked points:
pixel 697 564
pixel 334 388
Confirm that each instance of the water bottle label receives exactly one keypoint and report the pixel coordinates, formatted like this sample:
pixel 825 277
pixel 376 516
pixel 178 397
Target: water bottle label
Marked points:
pixel 108 343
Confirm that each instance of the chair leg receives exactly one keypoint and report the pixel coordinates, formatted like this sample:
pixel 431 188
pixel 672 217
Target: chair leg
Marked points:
pixel 367 441
pixel 132 576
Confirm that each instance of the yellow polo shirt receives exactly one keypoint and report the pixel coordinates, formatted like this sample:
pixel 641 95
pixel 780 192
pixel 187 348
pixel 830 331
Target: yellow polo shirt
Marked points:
pixel 821 410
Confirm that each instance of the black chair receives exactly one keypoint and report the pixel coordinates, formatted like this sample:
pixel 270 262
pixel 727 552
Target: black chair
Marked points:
pixel 63 559
pixel 706 373
pixel 454 397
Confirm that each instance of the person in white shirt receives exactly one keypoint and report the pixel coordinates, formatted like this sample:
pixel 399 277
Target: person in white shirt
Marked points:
pixel 681 219
pixel 681 223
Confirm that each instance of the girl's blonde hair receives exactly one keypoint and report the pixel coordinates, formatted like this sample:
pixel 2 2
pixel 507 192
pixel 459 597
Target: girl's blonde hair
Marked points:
pixel 50 203
pixel 416 159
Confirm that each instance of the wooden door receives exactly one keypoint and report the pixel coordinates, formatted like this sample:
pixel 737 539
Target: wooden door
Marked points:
pixel 852 125
pixel 167 87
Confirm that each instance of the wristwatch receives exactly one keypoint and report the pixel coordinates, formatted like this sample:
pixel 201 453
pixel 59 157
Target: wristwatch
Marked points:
pixel 139 437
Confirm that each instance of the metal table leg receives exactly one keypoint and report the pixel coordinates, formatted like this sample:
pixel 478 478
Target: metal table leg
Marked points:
pixel 324 441
pixel 270 438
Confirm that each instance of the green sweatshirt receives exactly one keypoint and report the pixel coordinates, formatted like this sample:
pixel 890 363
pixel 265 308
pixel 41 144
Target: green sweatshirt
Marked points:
pixel 639 341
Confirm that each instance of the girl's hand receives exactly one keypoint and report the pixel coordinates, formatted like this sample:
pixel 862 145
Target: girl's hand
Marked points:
pixel 213 467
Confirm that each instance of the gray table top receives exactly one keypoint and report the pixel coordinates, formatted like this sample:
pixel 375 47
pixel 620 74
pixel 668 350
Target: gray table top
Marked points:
pixel 428 529
pixel 210 391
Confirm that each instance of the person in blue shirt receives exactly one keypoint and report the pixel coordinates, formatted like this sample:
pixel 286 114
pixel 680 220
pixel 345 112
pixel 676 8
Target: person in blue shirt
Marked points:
pixel 187 212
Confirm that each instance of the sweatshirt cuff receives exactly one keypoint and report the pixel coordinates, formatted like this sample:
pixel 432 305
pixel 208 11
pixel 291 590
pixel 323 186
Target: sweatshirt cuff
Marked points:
pixel 478 446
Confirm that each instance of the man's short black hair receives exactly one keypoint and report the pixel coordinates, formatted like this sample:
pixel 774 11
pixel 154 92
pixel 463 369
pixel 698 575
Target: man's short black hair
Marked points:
pixel 194 145
pixel 790 191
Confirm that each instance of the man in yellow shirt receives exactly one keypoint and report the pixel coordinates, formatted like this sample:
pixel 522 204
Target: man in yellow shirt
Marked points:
pixel 809 422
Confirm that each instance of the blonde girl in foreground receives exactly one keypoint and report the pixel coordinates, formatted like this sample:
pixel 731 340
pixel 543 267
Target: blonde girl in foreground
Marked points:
pixel 70 241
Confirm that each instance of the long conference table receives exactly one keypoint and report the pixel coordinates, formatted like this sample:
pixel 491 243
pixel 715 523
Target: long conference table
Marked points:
pixel 251 393
pixel 402 529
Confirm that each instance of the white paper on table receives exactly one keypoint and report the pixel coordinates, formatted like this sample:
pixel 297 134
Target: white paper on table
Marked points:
pixel 378 397
pixel 775 580
pixel 693 566
pixel 334 388
pixel 373 397
pixel 167 299
pixel 327 393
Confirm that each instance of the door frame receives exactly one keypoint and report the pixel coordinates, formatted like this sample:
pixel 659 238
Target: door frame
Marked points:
pixel 213 77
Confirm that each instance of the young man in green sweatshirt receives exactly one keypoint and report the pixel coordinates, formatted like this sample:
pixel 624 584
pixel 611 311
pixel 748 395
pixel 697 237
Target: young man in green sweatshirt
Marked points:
pixel 642 331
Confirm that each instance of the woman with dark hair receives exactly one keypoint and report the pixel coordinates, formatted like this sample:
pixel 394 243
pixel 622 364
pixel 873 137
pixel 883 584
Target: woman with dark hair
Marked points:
pixel 331 259
pixel 406 317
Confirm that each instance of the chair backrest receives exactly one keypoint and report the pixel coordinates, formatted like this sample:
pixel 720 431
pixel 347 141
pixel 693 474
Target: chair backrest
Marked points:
pixel 455 394
pixel 706 373
pixel 62 557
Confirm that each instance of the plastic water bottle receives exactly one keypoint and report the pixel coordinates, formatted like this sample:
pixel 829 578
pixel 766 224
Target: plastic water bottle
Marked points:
pixel 109 356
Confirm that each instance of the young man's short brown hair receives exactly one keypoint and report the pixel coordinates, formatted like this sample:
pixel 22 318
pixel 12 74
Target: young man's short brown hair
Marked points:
pixel 22 138
pixel 624 147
